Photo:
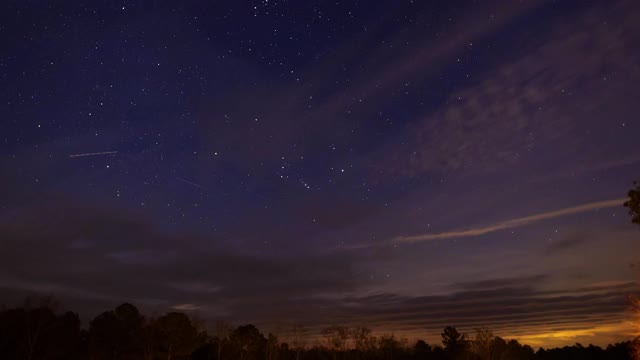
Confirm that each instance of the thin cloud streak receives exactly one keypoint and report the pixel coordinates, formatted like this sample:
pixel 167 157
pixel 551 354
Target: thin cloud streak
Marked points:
pixel 513 223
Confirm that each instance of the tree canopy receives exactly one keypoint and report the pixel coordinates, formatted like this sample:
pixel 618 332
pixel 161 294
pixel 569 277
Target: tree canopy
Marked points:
pixel 634 203
pixel 41 333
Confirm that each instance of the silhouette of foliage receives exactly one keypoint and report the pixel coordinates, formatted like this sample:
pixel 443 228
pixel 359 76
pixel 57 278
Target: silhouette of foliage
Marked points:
pixel 222 331
pixel 483 345
pixel 454 342
pixel 634 203
pixel 248 341
pixel 177 336
pixel 422 350
pixel 39 332
pixel 117 334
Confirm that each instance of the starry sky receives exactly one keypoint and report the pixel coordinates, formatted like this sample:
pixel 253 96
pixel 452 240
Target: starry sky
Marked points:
pixel 404 165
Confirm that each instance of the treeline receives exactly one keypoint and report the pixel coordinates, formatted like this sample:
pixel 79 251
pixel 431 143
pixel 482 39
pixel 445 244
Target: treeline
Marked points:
pixel 37 332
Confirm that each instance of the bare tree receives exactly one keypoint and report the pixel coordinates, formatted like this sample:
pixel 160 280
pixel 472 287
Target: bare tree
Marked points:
pixel 390 345
pixel 38 319
pixel 298 340
pixel 149 338
pixel 272 348
pixel 222 330
pixel 336 338
pixel 482 344
pixel 363 340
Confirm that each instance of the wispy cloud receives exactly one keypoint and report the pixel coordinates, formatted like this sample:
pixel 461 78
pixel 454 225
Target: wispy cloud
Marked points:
pixel 512 223
pixel 186 307
pixel 528 104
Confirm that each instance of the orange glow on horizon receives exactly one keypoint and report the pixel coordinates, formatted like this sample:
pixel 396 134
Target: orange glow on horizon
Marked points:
pixel 597 335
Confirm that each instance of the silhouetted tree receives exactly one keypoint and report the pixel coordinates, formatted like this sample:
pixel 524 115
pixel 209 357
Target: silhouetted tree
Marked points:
pixel 454 342
pixel 634 304
pixel 67 338
pixel 299 339
pixel 336 339
pixel 285 352
pixel 634 210
pixel 421 350
pixel 272 347
pixel 438 353
pixel 222 332
pixel 363 341
pixel 206 351
pixel 117 334
pixel 177 336
pixel 634 203
pixel 482 344
pixel 39 333
pixel 513 350
pixel 248 342
pixel 390 346
pixel 498 347
pixel 36 332
pixel 149 339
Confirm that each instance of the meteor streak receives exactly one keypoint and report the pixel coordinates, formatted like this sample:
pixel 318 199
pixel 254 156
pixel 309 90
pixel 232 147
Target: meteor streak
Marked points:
pixel 93 154
pixel 191 183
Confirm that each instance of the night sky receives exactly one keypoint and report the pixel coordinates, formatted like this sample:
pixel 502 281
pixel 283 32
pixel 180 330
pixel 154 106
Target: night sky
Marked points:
pixel 404 165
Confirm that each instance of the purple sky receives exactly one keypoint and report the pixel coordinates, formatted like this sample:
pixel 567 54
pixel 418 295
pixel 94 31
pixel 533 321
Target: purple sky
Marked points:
pixel 404 165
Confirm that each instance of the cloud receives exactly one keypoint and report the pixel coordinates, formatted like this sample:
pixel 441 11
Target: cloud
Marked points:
pixel 267 290
pixel 521 308
pixel 195 287
pixel 512 223
pixel 565 244
pixel 128 259
pixel 500 283
pixel 186 307
pixel 528 106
